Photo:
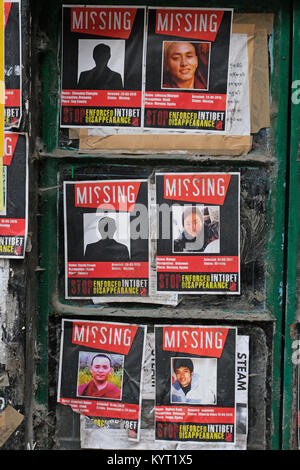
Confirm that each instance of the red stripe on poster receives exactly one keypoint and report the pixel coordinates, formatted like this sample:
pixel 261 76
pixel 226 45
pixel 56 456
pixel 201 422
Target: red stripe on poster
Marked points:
pixel 102 98
pixel 12 227
pixel 12 98
pixel 193 414
pixel 198 264
pixel 102 408
pixel 172 101
pixel 103 270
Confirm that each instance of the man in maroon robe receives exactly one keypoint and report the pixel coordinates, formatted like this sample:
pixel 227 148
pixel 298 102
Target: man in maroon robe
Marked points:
pixel 99 386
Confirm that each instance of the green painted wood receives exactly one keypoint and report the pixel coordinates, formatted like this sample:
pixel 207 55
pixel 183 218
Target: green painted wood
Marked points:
pixel 289 421
pixel 47 273
pixel 276 212
pixel 50 74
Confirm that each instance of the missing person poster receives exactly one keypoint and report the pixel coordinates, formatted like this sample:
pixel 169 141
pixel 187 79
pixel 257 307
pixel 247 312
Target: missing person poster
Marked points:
pixel 12 64
pixel 195 384
pixel 106 238
pixel 14 215
pixel 187 68
pixel 100 371
pixel 102 66
pixel 198 233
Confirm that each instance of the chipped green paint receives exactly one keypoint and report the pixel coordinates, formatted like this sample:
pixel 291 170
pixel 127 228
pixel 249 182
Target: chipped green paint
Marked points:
pixel 289 419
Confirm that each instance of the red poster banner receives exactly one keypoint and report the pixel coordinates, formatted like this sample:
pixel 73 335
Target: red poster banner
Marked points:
pixel 201 188
pixel 111 337
pixel 189 23
pixel 101 21
pixel 201 341
pixel 116 196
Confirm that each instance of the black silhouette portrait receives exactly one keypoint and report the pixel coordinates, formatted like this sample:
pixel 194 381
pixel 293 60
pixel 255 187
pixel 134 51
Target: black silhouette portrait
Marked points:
pixel 107 249
pixel 101 77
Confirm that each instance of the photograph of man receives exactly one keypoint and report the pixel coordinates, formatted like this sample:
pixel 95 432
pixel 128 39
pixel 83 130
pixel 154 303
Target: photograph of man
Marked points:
pixel 189 386
pixel 101 77
pixel 185 65
pixel 107 248
pixel 197 231
pixel 99 386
